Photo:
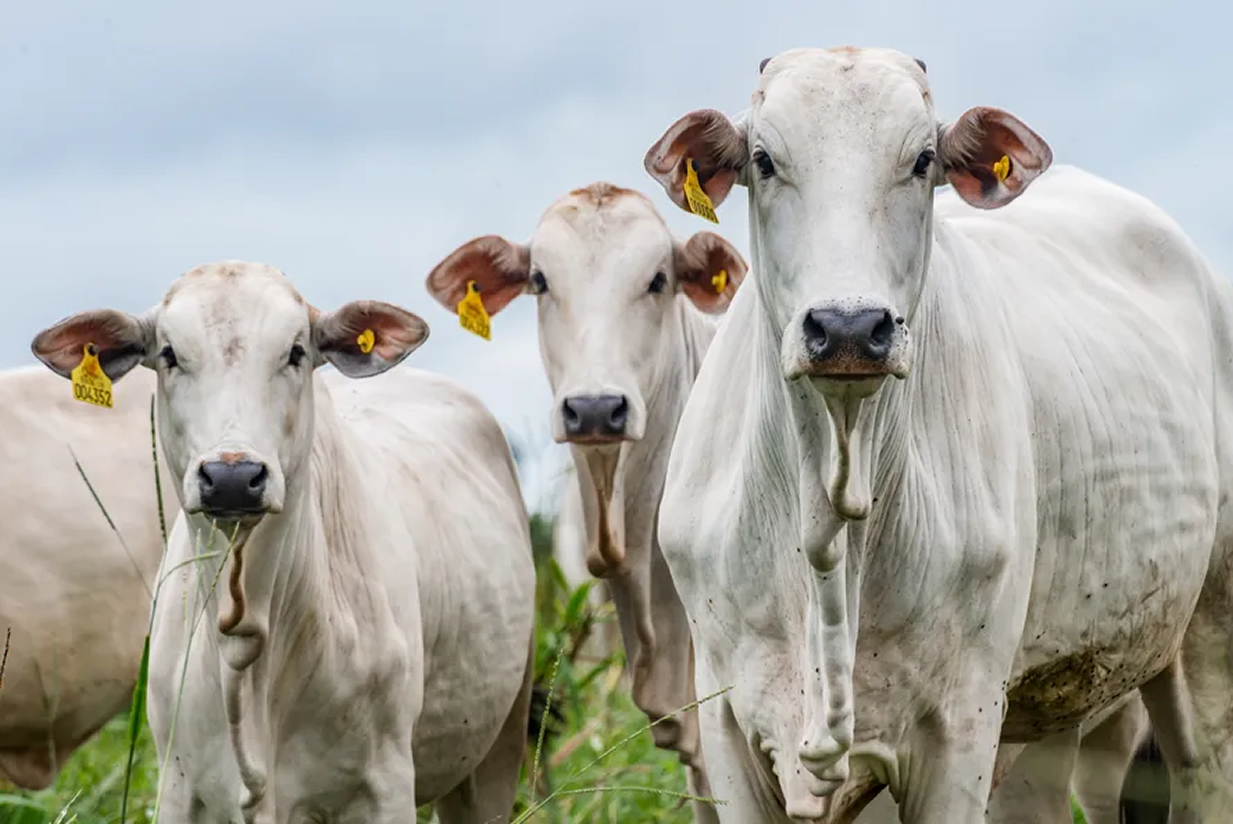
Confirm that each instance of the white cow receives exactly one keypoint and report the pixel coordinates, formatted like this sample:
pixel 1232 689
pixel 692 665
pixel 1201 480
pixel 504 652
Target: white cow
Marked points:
pixel 77 602
pixel 1029 521
pixel 367 646
pixel 623 326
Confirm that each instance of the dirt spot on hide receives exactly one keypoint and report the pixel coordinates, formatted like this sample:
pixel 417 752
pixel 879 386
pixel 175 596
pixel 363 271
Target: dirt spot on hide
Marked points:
pixel 1058 695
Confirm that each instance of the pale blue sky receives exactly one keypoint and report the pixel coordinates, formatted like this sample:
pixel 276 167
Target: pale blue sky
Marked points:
pixel 354 145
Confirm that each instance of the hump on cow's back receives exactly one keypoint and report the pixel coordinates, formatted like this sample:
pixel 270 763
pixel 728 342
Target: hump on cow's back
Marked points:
pixel 426 405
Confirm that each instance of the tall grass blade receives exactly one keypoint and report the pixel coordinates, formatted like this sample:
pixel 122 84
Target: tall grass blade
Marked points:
pixel 136 712
pixel 4 661
pixel 158 481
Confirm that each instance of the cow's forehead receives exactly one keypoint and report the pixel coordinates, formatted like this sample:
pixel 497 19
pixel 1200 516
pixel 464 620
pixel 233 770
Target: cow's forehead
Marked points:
pixel 589 225
pixel 843 82
pixel 233 294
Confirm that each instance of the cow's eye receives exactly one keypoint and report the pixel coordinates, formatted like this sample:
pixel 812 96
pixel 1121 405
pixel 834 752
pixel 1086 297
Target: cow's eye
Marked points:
pixel 168 356
pixel 763 161
pixel 923 161
pixel 296 356
pixel 658 283
pixel 539 284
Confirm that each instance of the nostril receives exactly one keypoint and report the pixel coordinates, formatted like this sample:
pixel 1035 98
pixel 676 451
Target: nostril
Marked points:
pixel 258 479
pixel 203 476
pixel 619 413
pixel 570 415
pixel 884 330
pixel 815 331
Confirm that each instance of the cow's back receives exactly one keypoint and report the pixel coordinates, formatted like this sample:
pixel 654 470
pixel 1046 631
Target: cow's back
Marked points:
pixel 454 483
pixel 1109 308
pixel 77 602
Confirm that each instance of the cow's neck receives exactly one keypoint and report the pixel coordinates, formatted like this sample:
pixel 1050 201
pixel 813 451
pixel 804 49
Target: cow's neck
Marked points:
pixel 846 450
pixel 624 484
pixel 301 581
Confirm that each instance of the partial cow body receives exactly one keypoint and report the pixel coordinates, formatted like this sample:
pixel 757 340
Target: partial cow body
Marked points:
pixel 354 635
pixel 625 318
pixel 974 487
pixel 77 601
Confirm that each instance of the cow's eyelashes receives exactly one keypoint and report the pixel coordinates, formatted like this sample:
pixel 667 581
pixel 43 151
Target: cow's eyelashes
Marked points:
pixel 658 283
pixel 766 168
pixel 923 161
pixel 539 284
pixel 168 357
pixel 296 356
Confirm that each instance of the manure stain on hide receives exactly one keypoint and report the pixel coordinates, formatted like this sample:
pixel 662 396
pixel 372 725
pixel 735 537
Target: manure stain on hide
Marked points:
pixel 1057 695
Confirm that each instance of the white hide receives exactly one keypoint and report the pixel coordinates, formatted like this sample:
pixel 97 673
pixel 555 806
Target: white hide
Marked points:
pixel 626 312
pixel 1021 523
pixel 76 600
pixel 364 645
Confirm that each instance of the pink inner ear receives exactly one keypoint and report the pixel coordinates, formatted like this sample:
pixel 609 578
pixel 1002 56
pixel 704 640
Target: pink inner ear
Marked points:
pixel 701 259
pixel 710 139
pixel 395 330
pixel 977 141
pixel 499 268
pixel 62 346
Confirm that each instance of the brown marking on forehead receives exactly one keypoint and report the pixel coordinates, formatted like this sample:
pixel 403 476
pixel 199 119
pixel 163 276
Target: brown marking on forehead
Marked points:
pixel 232 350
pixel 601 194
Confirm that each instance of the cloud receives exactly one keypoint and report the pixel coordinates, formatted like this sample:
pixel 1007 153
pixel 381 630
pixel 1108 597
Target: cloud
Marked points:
pixel 355 148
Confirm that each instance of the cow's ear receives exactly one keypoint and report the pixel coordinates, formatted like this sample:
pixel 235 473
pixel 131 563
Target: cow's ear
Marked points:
pixel 366 337
pixel 990 156
pixel 498 268
pixel 120 340
pixel 709 270
pixel 706 142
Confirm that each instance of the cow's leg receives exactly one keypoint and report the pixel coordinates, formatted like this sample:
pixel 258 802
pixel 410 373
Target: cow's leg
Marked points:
pixel 1192 717
pixel 487 795
pixel 1037 788
pixel 948 774
pixel 736 780
pixel 1105 754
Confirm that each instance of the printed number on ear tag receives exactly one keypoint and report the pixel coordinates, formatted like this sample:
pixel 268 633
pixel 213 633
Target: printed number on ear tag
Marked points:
pixel 699 201
pixel 720 281
pixel 366 340
pixel 472 315
pixel 90 382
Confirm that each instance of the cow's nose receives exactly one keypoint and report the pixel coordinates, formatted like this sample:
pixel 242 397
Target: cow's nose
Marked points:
pixel 595 417
pixel 232 488
pixel 853 342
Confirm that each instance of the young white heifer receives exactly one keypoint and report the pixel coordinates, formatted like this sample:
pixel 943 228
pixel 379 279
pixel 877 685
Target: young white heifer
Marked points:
pixel 367 648
pixel 623 327
pixel 77 602
pixel 1026 523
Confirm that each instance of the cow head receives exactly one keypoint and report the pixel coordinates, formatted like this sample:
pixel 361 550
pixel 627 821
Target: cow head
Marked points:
pixel 235 347
pixel 841 151
pixel 606 272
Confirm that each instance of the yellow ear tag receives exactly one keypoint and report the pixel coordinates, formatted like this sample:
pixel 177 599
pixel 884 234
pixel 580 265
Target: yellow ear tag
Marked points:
pixel 366 341
pixel 1002 168
pixel 472 315
pixel 90 382
pixel 720 281
pixel 699 201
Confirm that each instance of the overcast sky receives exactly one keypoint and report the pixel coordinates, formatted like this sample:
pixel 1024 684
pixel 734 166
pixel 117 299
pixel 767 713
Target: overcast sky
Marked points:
pixel 354 145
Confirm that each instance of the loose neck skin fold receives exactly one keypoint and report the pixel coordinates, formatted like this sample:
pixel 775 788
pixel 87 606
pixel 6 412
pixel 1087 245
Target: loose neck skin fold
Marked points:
pixel 837 438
